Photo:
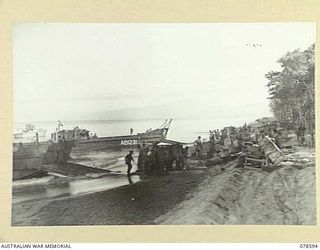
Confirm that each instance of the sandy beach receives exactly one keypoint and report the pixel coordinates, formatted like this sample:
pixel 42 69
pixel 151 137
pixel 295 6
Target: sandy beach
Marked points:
pixel 285 196
pixel 220 194
pixel 139 203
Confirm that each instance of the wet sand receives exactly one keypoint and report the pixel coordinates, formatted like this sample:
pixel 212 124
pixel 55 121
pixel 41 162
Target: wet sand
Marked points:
pixel 139 203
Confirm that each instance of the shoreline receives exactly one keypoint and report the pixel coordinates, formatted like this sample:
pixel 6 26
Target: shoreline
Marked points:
pixel 138 203
pixel 220 193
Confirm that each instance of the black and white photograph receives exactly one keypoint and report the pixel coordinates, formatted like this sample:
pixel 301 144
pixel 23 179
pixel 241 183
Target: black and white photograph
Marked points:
pixel 163 124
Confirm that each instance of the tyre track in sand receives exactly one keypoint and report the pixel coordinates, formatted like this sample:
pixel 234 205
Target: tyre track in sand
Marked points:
pixel 246 196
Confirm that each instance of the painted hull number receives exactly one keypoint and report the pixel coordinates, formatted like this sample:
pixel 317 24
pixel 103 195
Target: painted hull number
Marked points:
pixel 129 142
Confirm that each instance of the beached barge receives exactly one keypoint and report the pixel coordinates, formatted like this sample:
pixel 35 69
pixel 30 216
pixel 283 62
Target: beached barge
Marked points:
pixel 85 144
pixel 29 158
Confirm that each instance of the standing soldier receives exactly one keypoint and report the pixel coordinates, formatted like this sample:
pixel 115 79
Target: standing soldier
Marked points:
pixel 142 159
pixel 150 162
pixel 212 143
pixel 169 159
pixel 128 160
pixel 179 157
pixel 276 137
pixel 185 158
pixel 198 144
pixel 147 163
pixel 162 158
pixel 156 161
pixel 37 139
pixel 153 161
pixel 218 134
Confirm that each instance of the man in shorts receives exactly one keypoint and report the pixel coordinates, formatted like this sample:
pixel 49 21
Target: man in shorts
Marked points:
pixel 129 159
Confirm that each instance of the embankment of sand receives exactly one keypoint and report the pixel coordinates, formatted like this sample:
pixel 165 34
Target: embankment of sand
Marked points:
pixel 247 196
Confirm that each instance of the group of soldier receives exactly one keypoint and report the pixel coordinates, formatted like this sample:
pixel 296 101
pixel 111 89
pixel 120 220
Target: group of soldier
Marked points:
pixel 158 160
pixel 227 140
pixel 231 139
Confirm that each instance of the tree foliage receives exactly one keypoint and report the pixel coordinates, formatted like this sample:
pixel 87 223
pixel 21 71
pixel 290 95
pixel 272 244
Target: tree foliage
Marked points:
pixel 291 90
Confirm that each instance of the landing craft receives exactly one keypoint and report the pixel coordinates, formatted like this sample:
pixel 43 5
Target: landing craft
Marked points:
pixel 30 158
pixel 84 143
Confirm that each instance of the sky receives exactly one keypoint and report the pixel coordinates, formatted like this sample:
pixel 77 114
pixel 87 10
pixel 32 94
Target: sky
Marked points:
pixel 100 71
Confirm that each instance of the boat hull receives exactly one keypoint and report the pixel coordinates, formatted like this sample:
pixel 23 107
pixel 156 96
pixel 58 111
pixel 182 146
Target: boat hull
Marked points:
pixel 28 158
pixel 116 142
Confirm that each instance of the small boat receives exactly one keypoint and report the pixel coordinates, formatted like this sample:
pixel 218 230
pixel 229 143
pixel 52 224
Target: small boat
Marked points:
pixel 83 142
pixel 29 133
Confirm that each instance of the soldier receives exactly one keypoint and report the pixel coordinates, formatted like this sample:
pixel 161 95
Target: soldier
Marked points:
pixel 147 163
pixel 128 160
pixel 157 158
pixel 150 162
pixel 218 134
pixel 198 144
pixel 179 157
pixel 185 158
pixel 212 143
pixel 139 163
pixel 170 158
pixel 276 137
pixel 37 139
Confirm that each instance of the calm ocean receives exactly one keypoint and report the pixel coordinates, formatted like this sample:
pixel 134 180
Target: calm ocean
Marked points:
pixel 185 130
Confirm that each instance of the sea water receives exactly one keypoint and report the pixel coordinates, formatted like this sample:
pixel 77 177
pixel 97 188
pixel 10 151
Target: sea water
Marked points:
pixel 184 130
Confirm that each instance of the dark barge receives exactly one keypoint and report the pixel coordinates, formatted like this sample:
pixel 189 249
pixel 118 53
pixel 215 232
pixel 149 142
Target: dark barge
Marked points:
pixel 85 144
pixel 30 158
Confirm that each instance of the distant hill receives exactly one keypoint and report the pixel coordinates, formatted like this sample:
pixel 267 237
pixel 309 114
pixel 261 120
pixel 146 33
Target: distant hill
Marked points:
pixel 181 110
